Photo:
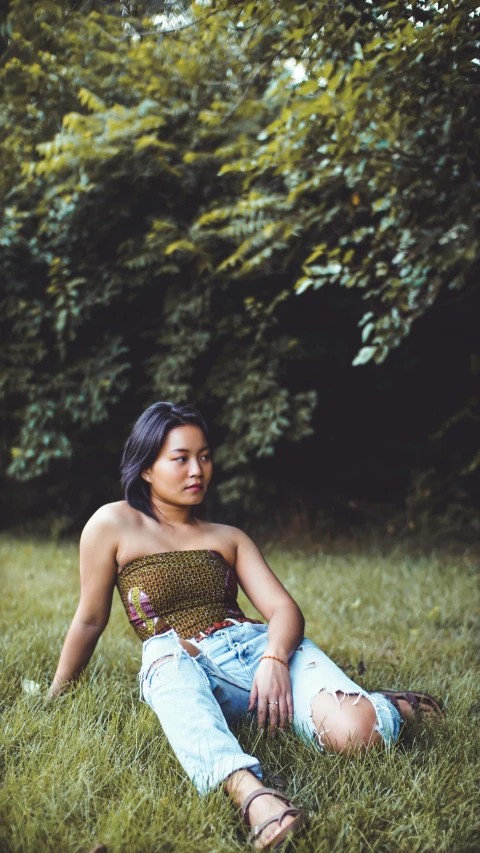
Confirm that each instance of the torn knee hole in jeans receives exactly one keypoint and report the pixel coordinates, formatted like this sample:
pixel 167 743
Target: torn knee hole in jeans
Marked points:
pixel 339 696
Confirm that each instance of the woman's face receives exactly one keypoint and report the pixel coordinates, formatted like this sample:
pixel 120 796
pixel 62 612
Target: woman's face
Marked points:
pixel 183 469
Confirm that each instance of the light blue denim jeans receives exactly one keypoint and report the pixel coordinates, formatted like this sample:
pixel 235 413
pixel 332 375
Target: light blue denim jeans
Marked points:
pixel 196 698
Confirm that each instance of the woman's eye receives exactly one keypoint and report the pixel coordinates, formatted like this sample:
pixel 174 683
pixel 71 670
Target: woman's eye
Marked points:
pixel 205 456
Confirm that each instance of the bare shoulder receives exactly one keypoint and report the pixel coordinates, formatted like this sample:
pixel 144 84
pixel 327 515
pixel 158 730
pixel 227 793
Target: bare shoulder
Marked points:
pixel 108 514
pixel 101 538
pixel 232 534
pixel 229 539
pixel 108 520
pixel 221 532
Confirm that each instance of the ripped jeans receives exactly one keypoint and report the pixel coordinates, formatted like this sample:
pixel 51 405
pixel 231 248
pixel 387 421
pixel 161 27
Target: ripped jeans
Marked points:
pixel 195 698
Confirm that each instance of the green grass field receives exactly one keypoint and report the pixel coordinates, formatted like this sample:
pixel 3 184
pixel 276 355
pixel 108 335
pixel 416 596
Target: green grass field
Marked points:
pixel 94 765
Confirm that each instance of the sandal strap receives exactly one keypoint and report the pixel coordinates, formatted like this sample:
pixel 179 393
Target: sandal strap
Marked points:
pixel 257 830
pixel 414 699
pixel 406 695
pixel 246 805
pixel 390 696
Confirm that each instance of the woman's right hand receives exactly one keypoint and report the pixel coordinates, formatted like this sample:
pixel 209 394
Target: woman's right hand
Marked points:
pixel 272 694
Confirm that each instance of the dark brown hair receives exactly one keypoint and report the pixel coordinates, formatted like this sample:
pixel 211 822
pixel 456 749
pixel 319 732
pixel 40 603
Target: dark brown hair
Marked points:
pixel 145 443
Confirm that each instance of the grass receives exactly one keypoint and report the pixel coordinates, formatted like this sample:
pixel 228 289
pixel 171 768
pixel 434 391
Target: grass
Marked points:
pixel 95 766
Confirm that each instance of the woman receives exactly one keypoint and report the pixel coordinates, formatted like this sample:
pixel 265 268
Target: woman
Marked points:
pixel 205 664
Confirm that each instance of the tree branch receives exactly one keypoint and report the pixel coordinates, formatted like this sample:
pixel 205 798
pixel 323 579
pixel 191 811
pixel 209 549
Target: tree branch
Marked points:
pixel 255 78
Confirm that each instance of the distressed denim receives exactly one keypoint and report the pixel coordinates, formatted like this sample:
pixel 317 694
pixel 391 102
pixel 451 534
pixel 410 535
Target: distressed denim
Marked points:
pixel 196 698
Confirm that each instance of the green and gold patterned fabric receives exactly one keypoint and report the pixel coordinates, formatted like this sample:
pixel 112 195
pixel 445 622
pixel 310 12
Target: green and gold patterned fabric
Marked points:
pixel 184 590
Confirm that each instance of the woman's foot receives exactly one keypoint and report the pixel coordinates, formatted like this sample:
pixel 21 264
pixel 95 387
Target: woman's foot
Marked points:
pixel 263 808
pixel 406 709
pixel 413 704
pixel 261 805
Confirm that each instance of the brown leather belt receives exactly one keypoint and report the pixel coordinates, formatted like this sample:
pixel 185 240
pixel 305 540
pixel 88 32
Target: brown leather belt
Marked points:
pixel 216 626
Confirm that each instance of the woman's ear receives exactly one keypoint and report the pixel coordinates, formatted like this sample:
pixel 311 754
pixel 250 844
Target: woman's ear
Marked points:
pixel 146 476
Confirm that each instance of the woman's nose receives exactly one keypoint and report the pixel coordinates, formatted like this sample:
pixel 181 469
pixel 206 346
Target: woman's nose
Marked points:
pixel 195 469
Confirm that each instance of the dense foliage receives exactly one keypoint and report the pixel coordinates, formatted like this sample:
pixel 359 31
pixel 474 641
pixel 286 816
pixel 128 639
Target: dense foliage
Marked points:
pixel 171 190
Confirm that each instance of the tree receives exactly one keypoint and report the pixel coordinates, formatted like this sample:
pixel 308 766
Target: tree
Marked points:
pixel 367 173
pixel 166 194
pixel 106 169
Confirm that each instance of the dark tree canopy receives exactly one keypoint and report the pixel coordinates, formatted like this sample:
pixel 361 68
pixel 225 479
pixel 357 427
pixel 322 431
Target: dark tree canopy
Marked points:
pixel 174 187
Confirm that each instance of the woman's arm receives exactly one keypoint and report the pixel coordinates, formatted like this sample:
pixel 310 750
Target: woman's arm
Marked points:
pixel 98 547
pixel 285 620
pixel 285 632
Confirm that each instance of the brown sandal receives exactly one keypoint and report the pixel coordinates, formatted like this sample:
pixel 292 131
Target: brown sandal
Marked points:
pixel 415 700
pixel 300 820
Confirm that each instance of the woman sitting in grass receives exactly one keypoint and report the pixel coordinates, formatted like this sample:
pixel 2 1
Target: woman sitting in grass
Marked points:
pixel 205 664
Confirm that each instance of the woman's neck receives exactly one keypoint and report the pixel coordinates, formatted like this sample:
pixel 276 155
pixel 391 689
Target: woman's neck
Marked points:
pixel 172 515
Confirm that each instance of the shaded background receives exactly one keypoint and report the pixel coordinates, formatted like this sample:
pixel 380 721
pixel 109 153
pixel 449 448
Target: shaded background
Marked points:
pixel 200 207
pixel 373 451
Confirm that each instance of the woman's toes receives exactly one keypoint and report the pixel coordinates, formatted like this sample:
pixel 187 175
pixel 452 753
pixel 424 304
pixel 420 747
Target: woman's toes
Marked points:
pixel 270 831
pixel 268 807
pixel 406 709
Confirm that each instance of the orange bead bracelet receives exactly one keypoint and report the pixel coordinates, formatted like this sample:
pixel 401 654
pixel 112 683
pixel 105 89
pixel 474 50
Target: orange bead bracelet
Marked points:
pixel 274 658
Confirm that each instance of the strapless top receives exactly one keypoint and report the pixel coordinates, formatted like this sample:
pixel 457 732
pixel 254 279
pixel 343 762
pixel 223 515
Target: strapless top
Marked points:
pixel 188 591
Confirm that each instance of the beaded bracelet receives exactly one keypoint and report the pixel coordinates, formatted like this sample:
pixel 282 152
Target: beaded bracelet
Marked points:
pixel 274 658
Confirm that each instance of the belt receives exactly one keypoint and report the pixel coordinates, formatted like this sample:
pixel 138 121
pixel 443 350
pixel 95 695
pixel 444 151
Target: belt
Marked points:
pixel 216 626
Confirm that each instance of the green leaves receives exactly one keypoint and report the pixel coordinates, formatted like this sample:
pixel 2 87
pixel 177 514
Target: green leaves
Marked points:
pixel 364 356
pixel 91 101
pixel 370 149
pixel 171 191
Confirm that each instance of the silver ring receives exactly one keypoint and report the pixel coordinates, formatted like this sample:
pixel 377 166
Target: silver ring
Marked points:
pixel 273 703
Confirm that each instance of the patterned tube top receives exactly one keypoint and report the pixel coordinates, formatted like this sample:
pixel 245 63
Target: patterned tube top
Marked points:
pixel 188 591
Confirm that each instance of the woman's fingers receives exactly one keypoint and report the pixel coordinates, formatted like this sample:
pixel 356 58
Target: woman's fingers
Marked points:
pixel 273 694
pixel 282 712
pixel 278 714
pixel 262 714
pixel 253 696
pixel 290 707
pixel 276 710
pixel 273 715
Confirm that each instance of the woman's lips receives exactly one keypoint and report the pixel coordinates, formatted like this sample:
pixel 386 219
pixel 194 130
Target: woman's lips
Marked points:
pixel 195 488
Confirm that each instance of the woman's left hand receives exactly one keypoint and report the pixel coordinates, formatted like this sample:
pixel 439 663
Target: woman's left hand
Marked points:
pixel 272 693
